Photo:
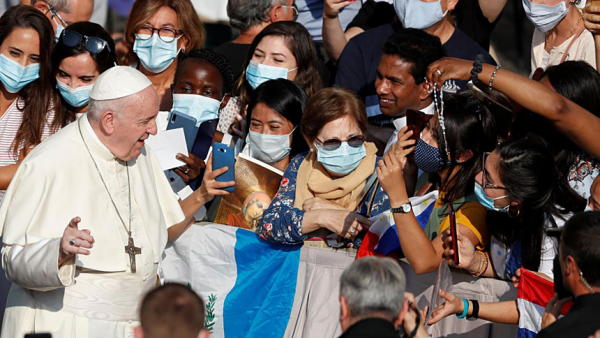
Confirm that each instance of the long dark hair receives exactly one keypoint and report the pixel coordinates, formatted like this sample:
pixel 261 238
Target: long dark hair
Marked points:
pixel 37 94
pixel 527 169
pixel 580 83
pixel 469 127
pixel 299 42
pixel 288 100
pixel 103 60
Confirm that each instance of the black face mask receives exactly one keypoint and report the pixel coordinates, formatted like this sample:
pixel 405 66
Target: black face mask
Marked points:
pixel 428 158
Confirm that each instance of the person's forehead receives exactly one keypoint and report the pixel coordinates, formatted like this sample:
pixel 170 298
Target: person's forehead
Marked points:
pixel 200 69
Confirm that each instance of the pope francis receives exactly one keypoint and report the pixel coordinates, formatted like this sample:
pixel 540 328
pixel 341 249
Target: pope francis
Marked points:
pixel 84 221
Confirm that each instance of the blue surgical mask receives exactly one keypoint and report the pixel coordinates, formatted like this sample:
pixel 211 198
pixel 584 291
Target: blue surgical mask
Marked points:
pixel 155 54
pixel 76 97
pixel 418 14
pixel 342 160
pixel 200 107
pixel 59 29
pixel 545 17
pixel 257 73
pixel 14 76
pixel 428 158
pixel 269 148
pixel 487 201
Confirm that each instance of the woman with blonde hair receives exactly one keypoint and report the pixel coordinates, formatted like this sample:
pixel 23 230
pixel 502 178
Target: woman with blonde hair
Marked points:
pixel 156 32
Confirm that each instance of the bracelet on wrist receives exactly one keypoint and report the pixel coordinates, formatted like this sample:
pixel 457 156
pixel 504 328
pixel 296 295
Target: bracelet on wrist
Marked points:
pixel 483 266
pixel 475 313
pixel 493 76
pixel 465 309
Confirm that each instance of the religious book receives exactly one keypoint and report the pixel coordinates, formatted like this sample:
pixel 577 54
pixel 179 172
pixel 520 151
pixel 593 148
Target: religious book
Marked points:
pixel 256 183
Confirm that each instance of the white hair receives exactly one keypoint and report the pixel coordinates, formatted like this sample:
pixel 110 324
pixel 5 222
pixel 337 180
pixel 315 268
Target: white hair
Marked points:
pixel 98 107
pixel 373 284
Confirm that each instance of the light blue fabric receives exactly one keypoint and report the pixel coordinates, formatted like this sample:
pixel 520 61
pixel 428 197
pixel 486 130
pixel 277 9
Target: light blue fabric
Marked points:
pixel 14 76
pixel 155 54
pixel 545 17
pixel 343 160
pixel 419 14
pixel 487 201
pixel 200 107
pixel 260 303
pixel 257 73
pixel 310 15
pixel 76 97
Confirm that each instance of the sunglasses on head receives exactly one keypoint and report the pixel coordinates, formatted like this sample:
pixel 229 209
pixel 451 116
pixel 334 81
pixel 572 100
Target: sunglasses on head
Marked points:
pixel 334 143
pixel 93 44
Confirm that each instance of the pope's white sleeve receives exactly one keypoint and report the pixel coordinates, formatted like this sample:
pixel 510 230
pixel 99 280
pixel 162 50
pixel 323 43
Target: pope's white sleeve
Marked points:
pixel 35 266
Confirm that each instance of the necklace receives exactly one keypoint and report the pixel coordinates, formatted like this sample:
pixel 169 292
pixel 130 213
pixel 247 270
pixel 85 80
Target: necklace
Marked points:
pixel 547 45
pixel 130 248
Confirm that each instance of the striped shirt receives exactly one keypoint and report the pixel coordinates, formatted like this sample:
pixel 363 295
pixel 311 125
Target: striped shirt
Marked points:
pixel 10 122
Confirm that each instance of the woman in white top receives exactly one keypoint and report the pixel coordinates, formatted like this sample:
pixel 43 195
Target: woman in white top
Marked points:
pixel 559 33
pixel 26 116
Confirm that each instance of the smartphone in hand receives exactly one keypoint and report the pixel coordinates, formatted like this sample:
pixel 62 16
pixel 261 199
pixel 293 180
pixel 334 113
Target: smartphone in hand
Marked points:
pixel 454 232
pixel 416 121
pixel 223 156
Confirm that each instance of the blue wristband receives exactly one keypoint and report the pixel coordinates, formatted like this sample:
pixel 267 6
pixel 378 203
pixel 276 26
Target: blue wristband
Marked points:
pixel 465 309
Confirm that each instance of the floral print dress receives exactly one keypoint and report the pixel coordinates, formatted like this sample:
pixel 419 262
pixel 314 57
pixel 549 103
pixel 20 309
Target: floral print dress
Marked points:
pixel 282 223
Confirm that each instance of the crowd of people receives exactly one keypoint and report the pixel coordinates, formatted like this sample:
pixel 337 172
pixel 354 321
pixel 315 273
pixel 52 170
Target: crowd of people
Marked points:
pixel 361 106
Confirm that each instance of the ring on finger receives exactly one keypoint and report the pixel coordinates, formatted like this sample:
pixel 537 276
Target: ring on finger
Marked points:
pixel 352 231
pixel 186 170
pixel 72 242
pixel 439 72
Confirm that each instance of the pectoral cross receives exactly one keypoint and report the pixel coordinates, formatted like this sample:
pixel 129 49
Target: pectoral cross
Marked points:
pixel 132 250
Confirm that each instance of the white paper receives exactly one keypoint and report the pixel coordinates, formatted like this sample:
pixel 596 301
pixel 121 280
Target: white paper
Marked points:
pixel 166 145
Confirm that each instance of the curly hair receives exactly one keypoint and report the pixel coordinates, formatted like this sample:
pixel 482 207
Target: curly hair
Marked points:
pixel 217 59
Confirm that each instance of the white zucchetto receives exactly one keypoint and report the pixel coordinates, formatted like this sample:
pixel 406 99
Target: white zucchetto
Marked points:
pixel 118 82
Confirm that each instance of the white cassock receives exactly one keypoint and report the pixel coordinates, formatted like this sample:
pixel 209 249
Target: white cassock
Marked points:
pixel 98 296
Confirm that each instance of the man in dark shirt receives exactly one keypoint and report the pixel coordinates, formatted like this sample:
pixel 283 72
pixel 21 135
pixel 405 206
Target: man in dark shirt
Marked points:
pixel 579 256
pixel 373 301
pixel 357 67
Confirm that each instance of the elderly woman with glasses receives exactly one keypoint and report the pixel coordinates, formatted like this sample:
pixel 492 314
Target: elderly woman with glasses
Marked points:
pixel 83 52
pixel 331 190
pixel 449 152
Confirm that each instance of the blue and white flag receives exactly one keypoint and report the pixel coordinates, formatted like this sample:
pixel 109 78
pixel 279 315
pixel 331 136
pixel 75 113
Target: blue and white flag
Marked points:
pixel 254 288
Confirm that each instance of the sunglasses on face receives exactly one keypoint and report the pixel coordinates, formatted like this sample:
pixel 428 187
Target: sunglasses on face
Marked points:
pixel 334 143
pixel 93 44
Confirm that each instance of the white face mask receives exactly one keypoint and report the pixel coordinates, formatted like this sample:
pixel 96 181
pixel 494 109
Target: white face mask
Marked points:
pixel 545 17
pixel 269 148
pixel 418 14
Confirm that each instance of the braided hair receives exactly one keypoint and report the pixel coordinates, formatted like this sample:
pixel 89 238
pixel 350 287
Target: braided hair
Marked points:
pixel 217 59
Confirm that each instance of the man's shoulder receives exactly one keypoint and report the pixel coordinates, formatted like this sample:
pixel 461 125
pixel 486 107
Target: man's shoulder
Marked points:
pixel 462 46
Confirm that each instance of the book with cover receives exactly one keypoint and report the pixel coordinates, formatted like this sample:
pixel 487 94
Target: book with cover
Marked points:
pixel 256 185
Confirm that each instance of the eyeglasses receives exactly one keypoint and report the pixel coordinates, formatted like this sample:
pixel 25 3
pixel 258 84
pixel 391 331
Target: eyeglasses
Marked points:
pixel 487 184
pixel 295 8
pixel 334 143
pixel 54 13
pixel 167 34
pixel 93 44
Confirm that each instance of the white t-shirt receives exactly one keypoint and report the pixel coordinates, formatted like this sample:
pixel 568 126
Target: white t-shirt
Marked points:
pixel 500 253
